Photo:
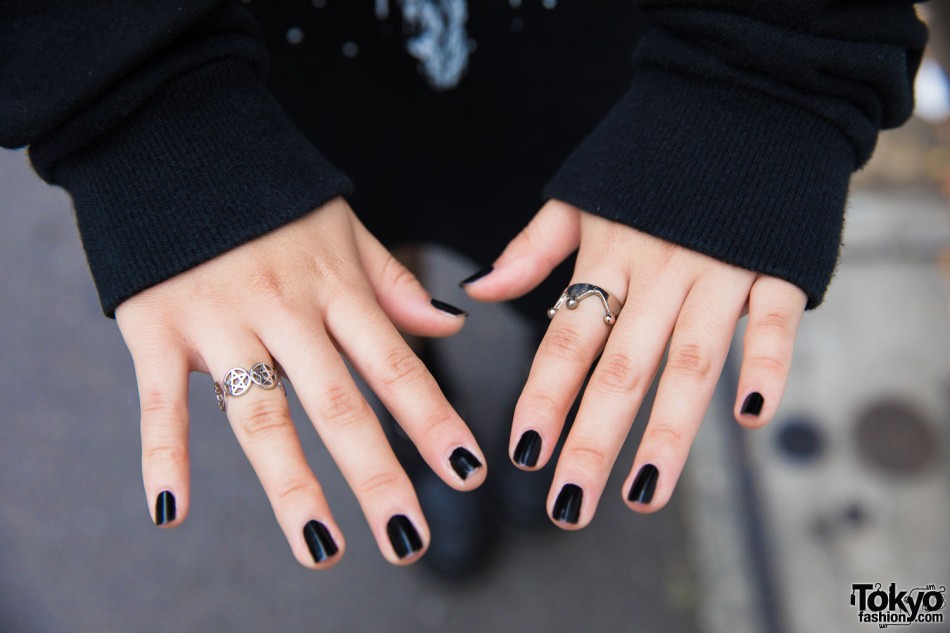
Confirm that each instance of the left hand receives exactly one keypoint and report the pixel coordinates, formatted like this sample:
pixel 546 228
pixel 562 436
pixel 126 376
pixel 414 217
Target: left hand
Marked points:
pixel 670 294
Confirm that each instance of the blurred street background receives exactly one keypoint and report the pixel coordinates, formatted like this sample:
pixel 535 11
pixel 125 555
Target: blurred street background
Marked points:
pixel 768 530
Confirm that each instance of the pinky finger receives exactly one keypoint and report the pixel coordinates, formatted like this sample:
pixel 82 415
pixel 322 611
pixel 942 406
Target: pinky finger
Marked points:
pixel 163 393
pixel 775 311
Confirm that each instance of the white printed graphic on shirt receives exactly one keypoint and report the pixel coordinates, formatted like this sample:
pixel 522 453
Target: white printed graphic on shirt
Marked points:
pixel 441 43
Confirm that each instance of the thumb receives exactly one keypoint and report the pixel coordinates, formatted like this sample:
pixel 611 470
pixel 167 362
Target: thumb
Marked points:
pixel 399 292
pixel 552 235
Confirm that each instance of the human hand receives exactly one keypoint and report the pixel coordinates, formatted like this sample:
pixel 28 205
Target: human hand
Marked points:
pixel 669 294
pixel 304 295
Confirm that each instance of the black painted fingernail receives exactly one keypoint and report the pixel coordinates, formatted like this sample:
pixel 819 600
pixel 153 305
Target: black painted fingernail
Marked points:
pixel 567 508
pixel 164 508
pixel 463 462
pixel 528 449
pixel 644 485
pixel 484 272
pixel 448 308
pixel 403 536
pixel 753 404
pixel 319 541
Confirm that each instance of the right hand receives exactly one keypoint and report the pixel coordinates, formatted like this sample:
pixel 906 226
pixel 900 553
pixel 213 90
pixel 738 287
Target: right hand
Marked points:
pixel 304 295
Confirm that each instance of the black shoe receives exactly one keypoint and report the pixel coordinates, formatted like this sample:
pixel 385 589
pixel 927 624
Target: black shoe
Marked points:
pixel 463 534
pixel 521 497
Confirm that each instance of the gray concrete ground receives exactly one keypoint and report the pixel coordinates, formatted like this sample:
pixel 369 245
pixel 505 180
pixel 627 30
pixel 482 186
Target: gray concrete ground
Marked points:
pixel 851 482
pixel 767 532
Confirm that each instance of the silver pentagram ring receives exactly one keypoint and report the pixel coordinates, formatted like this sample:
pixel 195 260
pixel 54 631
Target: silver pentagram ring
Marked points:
pixel 575 293
pixel 238 381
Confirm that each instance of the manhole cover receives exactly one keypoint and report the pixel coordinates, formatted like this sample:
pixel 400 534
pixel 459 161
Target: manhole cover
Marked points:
pixel 800 439
pixel 893 437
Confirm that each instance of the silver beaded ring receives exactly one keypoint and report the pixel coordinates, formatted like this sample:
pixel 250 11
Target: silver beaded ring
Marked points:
pixel 576 293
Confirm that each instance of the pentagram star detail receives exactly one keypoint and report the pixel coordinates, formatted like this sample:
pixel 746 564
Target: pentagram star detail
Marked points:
pixel 264 376
pixel 237 381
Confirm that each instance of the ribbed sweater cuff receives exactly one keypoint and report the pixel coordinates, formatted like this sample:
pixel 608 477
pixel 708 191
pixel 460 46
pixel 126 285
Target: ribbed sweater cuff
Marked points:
pixel 208 164
pixel 727 172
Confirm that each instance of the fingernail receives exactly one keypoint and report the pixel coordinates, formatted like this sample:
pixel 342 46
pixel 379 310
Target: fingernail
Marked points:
pixel 644 485
pixel 164 508
pixel 448 308
pixel 567 508
pixel 464 463
pixel 753 404
pixel 403 536
pixel 484 272
pixel 319 541
pixel 528 449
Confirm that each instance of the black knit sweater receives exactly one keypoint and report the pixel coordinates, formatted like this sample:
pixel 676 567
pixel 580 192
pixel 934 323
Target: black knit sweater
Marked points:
pixel 737 137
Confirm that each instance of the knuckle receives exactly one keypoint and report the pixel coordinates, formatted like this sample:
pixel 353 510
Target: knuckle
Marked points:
pixel 591 456
pixel 540 404
pixel 563 342
pixel 159 404
pixel 690 360
pixel 664 435
pixel 768 363
pixel 619 373
pixel 527 238
pixel 380 484
pixel 395 275
pixel 293 487
pixel 401 367
pixel 270 285
pixel 333 273
pixel 666 251
pixel 533 245
pixel 165 454
pixel 343 406
pixel 264 418
pixel 774 323
pixel 436 422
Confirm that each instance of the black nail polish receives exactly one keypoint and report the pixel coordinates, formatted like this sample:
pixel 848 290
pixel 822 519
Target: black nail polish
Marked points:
pixel 644 485
pixel 464 463
pixel 567 508
pixel 753 404
pixel 447 308
pixel 528 449
pixel 164 508
pixel 484 272
pixel 319 541
pixel 403 536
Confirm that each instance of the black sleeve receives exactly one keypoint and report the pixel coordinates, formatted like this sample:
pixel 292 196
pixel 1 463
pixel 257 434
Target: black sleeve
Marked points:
pixel 743 124
pixel 153 116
